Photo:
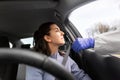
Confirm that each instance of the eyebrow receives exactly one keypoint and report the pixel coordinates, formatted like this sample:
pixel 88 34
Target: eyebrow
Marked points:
pixel 56 28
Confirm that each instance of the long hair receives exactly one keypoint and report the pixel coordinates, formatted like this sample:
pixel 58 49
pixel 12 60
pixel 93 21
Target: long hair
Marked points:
pixel 40 44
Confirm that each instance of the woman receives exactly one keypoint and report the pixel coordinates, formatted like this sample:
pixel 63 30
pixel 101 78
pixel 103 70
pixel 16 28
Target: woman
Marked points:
pixel 48 38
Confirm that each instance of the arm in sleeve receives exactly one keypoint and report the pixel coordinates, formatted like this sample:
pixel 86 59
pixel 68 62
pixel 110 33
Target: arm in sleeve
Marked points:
pixel 83 43
pixel 78 73
pixel 108 42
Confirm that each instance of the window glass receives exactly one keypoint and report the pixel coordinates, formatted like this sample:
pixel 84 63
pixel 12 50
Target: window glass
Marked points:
pixel 28 41
pixel 96 17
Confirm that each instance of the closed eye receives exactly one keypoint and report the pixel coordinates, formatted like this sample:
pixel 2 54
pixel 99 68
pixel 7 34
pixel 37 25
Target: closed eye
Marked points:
pixel 57 30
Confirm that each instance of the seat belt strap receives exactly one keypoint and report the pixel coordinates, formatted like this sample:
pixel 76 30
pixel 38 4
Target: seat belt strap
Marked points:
pixel 66 55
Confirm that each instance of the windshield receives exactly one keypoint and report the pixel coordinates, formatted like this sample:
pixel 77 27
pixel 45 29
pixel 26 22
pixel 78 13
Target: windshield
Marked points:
pixel 96 17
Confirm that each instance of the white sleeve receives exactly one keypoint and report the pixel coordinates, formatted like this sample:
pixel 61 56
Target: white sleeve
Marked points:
pixel 108 42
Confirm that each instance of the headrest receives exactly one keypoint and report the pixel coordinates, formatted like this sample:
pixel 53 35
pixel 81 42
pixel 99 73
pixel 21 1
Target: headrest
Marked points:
pixel 4 42
pixel 25 46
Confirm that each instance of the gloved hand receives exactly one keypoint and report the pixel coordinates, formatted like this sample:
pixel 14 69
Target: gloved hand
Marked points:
pixel 83 43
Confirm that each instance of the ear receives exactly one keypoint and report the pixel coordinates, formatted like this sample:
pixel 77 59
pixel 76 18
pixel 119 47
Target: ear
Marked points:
pixel 47 38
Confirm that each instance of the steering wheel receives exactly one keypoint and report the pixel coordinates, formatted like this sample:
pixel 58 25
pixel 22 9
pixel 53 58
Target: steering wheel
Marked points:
pixel 35 59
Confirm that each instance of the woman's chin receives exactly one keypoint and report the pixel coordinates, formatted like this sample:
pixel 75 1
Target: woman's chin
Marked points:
pixel 61 44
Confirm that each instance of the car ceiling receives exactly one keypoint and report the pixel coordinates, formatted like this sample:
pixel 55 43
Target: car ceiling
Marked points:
pixel 20 18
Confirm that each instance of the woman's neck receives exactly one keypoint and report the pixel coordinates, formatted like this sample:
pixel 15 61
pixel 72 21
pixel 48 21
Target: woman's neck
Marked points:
pixel 54 49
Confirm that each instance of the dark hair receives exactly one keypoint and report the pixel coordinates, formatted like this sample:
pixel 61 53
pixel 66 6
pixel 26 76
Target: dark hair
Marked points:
pixel 40 45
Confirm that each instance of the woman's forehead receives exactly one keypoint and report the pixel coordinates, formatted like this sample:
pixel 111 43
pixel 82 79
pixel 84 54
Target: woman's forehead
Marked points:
pixel 54 26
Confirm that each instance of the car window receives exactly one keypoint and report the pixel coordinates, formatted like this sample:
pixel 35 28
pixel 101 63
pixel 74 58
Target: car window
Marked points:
pixel 28 41
pixel 96 17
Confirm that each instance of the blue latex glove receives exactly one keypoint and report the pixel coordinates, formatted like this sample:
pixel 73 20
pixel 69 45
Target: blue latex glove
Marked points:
pixel 83 43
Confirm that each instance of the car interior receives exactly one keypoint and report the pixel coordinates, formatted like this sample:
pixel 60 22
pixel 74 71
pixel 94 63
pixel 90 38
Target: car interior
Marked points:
pixel 20 18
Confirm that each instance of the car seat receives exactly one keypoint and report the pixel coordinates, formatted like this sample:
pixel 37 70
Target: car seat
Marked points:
pixel 113 66
pixel 96 66
pixel 7 70
pixel 21 74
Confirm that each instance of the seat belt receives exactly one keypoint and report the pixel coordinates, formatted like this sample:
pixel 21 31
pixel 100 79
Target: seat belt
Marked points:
pixel 66 55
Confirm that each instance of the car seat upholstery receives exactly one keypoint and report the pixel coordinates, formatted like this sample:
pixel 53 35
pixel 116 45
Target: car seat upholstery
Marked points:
pixel 21 74
pixel 25 46
pixel 96 65
pixel 113 66
pixel 7 71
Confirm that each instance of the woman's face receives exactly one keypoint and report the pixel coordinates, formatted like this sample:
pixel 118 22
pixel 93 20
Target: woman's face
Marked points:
pixel 56 36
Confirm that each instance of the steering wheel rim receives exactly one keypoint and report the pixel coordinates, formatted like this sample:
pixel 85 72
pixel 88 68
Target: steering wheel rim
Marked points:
pixel 35 59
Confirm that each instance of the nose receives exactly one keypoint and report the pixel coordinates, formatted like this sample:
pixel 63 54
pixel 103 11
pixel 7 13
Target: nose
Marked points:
pixel 62 33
